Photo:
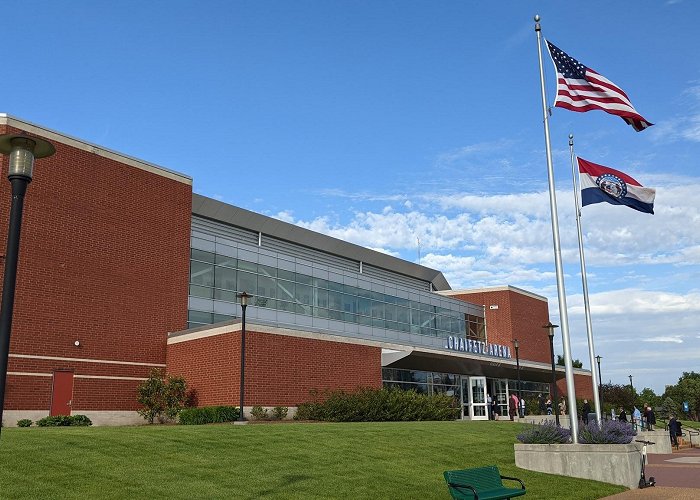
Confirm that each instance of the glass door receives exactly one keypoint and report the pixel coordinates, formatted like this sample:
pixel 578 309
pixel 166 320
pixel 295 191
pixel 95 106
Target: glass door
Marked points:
pixel 477 396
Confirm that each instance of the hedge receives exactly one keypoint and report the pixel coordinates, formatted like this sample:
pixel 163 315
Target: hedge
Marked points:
pixel 208 415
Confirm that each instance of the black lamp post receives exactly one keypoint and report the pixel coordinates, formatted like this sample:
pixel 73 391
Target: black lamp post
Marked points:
pixel 600 384
pixel 244 303
pixel 22 151
pixel 516 344
pixel 555 408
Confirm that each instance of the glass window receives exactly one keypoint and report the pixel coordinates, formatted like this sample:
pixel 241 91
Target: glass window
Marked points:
pixel 286 275
pixel 203 256
pixel 201 273
pixel 320 283
pixel 390 312
pixel 303 278
pixel 225 278
pixel 226 295
pixel 247 282
pixel 267 287
pixel 335 315
pixel 199 317
pixel 402 315
pixel 222 317
pixel 349 303
pixel 304 294
pixel 321 297
pixel 267 270
pixel 364 306
pixel 264 302
pixel 335 301
pixel 247 266
pixel 284 305
pixel 378 310
pixel 364 320
pixel 224 261
pixel 336 287
pixel 285 290
pixel 200 291
pixel 320 312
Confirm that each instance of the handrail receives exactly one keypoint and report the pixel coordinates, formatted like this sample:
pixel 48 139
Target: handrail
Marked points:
pixel 692 432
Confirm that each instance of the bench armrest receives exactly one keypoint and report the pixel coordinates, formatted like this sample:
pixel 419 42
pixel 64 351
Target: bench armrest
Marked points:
pixel 462 486
pixel 522 485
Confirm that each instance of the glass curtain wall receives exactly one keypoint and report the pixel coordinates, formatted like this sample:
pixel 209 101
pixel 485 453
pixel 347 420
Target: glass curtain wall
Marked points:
pixel 214 276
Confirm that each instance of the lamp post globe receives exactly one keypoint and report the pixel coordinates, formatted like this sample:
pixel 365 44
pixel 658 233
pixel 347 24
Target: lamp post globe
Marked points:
pixel 22 150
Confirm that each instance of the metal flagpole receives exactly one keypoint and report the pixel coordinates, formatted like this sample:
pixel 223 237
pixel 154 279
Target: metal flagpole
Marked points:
pixel 561 294
pixel 584 282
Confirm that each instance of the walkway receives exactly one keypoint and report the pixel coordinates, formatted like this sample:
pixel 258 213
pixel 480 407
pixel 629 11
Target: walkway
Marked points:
pixel 677 477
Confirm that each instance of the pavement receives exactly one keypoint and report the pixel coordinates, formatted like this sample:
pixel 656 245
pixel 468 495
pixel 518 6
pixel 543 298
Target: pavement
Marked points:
pixel 677 477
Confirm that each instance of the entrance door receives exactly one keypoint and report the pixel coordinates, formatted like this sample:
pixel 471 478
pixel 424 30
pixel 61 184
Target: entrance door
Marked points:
pixel 62 393
pixel 477 396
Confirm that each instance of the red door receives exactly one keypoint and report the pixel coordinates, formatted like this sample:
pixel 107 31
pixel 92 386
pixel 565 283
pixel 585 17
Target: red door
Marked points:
pixel 62 393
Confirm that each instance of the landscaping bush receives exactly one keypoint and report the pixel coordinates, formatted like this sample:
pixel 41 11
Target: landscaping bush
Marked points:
pixel 547 433
pixel 279 412
pixel 379 405
pixel 208 415
pixel 611 432
pixel 25 422
pixel 258 412
pixel 161 398
pixel 63 421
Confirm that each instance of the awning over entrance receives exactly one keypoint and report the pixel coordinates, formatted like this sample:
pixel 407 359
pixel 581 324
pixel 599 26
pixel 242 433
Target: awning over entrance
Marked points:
pixel 470 365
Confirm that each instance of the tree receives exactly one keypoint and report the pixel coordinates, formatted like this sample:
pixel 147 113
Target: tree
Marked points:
pixel 649 397
pixel 618 396
pixel 687 389
pixel 161 397
pixel 575 362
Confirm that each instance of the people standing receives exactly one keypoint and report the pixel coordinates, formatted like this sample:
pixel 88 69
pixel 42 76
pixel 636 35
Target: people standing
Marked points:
pixel 522 407
pixel 636 417
pixel 585 411
pixel 489 409
pixel 542 404
pixel 562 406
pixel 513 406
pixel 651 418
pixel 622 417
pixel 494 409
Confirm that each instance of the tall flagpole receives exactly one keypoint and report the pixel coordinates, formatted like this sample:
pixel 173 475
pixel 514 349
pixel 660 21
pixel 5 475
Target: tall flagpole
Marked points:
pixel 584 282
pixel 561 294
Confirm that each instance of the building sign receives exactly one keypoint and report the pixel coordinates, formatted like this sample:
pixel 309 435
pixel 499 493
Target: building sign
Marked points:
pixel 477 347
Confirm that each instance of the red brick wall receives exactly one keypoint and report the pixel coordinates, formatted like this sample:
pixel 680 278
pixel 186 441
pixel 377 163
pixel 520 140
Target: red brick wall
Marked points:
pixel 519 317
pixel 583 385
pixel 104 259
pixel 280 370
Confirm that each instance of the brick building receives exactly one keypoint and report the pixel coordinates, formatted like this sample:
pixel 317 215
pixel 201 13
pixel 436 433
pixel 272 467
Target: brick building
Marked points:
pixel 123 269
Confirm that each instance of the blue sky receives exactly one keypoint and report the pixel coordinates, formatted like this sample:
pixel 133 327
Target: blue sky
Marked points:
pixel 389 122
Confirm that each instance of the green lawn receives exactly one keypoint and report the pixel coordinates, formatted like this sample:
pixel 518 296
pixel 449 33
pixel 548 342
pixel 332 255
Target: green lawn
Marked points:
pixel 297 460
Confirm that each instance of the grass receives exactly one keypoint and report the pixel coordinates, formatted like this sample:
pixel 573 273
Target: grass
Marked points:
pixel 297 461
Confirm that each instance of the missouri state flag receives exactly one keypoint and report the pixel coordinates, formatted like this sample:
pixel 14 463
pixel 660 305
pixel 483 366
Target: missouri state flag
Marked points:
pixel 605 184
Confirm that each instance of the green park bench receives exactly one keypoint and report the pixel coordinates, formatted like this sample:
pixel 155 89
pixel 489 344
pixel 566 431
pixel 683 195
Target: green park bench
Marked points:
pixel 480 483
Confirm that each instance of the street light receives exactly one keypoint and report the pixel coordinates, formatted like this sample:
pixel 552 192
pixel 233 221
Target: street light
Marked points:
pixel 555 407
pixel 516 344
pixel 600 384
pixel 244 303
pixel 22 151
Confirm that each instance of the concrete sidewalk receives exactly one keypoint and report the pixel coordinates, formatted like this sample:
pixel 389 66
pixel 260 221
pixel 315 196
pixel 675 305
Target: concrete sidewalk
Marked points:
pixel 677 477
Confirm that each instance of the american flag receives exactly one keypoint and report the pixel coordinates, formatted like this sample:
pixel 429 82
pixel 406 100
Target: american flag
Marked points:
pixel 581 89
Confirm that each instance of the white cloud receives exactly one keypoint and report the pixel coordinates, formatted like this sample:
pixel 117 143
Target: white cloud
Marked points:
pixel 676 339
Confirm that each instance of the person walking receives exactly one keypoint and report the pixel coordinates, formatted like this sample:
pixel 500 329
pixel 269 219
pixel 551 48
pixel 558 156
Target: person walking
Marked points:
pixel 673 430
pixel 651 418
pixel 548 405
pixel 585 411
pixel 637 418
pixel 489 400
pixel 622 417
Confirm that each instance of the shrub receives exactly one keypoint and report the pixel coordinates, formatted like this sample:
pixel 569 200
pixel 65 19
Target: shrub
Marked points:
pixel 160 397
pixel 63 421
pixel 25 422
pixel 279 412
pixel 611 432
pixel 81 420
pixel 258 412
pixel 547 433
pixel 208 415
pixel 379 405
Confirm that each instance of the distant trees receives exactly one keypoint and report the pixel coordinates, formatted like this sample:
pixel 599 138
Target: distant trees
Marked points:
pixel 687 389
pixel 575 362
